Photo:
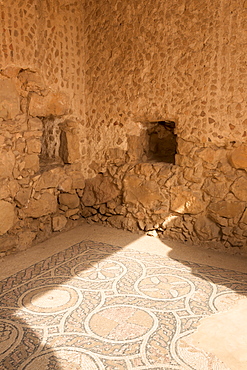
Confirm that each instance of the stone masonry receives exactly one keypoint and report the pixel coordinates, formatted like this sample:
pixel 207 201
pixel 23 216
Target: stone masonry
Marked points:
pixel 89 91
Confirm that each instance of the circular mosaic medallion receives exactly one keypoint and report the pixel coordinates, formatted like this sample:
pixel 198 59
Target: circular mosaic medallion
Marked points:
pixel 164 286
pixel 226 301
pixel 63 359
pixel 121 323
pixel 10 335
pixel 50 299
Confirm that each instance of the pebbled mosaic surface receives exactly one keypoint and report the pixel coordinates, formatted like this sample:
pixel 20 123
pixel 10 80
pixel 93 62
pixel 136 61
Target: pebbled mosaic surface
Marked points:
pixel 95 306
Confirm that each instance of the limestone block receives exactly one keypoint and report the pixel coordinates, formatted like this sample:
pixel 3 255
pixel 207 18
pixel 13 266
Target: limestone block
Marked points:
pixel 55 104
pixel 69 200
pixel 205 228
pixel 227 209
pixel 217 189
pixel 7 242
pixel 206 154
pixel 10 71
pixel 193 174
pixel 184 147
pixel 32 162
pixel 244 217
pixel 116 221
pixel 54 178
pixel 25 239
pixel 20 145
pixel 143 191
pixel 71 212
pixel 35 124
pixel 13 187
pixel 9 99
pixel 210 155
pixel 136 145
pixel 186 201
pixel 4 189
pixel 33 145
pixel 58 222
pixel 238 157
pixel 31 81
pixel 23 196
pixel 145 169
pixel 69 142
pixel 7 162
pixel 165 171
pixel 239 188
pixel 65 184
pixel 45 205
pixel 99 190
pixel 7 216
pixel 78 180
pixel 88 211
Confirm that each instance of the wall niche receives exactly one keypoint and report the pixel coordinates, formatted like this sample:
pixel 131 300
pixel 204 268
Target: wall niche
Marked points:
pixel 162 142
pixel 50 142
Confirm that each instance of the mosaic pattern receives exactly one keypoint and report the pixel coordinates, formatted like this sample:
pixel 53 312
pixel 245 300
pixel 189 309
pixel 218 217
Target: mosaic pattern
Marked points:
pixel 95 306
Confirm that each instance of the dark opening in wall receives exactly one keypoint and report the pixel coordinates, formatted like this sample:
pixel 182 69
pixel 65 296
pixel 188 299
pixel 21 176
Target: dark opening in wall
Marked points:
pixel 50 143
pixel 162 143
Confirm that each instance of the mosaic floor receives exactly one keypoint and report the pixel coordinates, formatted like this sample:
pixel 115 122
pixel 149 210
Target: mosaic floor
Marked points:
pixel 99 307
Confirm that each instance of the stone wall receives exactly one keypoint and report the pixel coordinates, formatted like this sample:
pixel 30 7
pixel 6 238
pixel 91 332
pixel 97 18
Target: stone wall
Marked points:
pixel 46 37
pixel 91 92
pixel 170 61
pixel 40 172
pixel 41 118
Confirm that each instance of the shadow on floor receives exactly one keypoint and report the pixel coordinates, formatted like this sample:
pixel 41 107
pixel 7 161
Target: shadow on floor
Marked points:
pixel 90 306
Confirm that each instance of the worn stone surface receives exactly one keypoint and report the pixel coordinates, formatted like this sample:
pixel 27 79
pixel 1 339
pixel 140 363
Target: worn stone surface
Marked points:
pixel 239 188
pixel 69 200
pixel 215 188
pixel 46 204
pixel 54 178
pixel 69 142
pixel 23 196
pixel 32 162
pixel 7 216
pixel 99 190
pixel 58 222
pixel 56 104
pixel 227 209
pixel 9 99
pixel 145 192
pixel 205 228
pixel 244 217
pixel 31 81
pixel 7 243
pixel 78 180
pixel 186 201
pixel 238 157
pixel 7 163
pixel 25 239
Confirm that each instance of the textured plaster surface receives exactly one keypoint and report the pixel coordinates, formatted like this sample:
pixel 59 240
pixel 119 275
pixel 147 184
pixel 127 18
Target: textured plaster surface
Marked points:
pixel 177 60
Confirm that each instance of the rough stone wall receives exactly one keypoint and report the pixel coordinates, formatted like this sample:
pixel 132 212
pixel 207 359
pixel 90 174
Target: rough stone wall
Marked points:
pixel 40 171
pixel 82 85
pixel 180 61
pixel 41 118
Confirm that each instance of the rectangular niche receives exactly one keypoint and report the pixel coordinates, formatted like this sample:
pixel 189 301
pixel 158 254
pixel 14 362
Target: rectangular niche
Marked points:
pixel 50 143
pixel 162 142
